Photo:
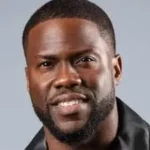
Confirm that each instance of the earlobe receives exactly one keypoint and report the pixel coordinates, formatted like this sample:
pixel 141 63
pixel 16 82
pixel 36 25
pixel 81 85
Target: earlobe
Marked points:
pixel 117 67
pixel 27 79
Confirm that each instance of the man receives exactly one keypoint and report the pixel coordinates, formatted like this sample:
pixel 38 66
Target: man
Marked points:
pixel 72 70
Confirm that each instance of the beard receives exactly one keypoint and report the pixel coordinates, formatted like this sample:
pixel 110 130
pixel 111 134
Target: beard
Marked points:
pixel 99 112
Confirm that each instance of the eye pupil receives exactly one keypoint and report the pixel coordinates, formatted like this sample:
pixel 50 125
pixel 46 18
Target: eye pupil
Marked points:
pixel 86 59
pixel 45 64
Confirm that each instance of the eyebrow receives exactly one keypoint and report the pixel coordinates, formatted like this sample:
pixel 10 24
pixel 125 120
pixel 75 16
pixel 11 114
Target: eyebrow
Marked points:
pixel 46 56
pixel 84 52
pixel 72 55
pixel 81 52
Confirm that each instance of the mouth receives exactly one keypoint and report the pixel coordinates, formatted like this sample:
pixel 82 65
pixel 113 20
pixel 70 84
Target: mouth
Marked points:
pixel 70 103
pixel 68 99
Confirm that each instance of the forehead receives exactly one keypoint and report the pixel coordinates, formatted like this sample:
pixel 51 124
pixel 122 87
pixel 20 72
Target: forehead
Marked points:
pixel 65 25
pixel 66 33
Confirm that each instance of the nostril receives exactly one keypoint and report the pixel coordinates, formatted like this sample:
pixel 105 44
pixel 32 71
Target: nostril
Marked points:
pixel 74 85
pixel 67 82
pixel 59 86
pixel 67 85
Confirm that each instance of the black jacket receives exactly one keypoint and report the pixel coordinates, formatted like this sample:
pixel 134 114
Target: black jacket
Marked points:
pixel 133 132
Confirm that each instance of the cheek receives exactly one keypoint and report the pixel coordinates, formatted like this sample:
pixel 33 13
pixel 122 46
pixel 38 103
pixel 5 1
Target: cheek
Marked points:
pixel 99 81
pixel 105 84
pixel 90 78
pixel 39 86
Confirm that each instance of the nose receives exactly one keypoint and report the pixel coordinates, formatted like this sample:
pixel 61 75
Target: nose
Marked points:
pixel 67 77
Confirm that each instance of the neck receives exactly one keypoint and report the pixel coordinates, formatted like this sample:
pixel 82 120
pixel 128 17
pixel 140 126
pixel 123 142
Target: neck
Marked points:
pixel 106 132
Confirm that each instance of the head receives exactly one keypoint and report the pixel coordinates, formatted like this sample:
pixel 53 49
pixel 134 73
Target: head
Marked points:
pixel 72 67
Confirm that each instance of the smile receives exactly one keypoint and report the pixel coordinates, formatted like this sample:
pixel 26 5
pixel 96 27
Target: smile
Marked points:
pixel 69 103
pixel 68 99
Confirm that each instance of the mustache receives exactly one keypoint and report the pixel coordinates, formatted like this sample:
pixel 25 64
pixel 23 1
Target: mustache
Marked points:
pixel 87 93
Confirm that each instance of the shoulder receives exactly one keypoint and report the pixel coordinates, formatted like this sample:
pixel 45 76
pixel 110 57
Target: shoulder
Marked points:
pixel 37 142
pixel 134 130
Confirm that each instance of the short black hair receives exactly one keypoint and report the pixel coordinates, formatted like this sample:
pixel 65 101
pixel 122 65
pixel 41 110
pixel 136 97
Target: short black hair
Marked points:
pixel 82 9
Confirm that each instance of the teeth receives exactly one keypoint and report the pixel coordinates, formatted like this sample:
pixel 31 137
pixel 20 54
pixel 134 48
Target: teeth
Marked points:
pixel 70 103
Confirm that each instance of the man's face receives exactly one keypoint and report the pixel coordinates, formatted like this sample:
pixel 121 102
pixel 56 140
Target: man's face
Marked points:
pixel 70 76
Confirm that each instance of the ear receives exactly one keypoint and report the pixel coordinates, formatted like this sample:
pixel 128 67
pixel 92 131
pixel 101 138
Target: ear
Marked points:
pixel 117 68
pixel 27 77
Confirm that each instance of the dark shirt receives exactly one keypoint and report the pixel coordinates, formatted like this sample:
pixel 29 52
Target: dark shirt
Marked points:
pixel 133 132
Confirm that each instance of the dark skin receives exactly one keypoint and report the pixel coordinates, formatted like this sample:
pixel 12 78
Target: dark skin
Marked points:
pixel 67 54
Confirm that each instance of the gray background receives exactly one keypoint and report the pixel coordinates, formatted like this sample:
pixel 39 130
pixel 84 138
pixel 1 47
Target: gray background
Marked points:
pixel 131 19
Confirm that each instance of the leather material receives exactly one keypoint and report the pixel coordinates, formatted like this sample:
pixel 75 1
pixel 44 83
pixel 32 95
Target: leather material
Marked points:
pixel 133 132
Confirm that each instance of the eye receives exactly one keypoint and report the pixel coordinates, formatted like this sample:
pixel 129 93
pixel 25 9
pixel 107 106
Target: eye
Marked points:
pixel 46 64
pixel 85 62
pixel 85 59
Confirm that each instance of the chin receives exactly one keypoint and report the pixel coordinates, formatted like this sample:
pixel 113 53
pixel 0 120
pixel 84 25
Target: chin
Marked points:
pixel 71 126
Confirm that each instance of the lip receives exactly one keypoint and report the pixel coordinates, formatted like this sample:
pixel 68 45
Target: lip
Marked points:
pixel 68 97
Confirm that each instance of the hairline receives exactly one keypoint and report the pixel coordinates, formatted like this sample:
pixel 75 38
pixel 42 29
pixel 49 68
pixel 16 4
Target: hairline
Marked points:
pixel 28 30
